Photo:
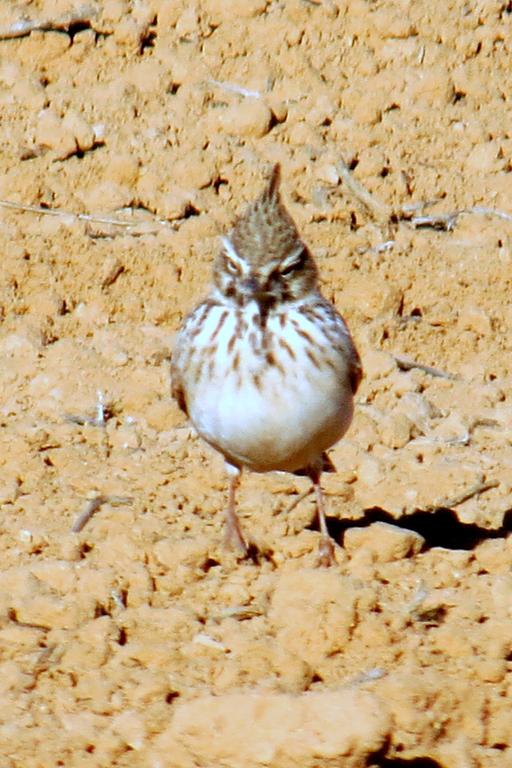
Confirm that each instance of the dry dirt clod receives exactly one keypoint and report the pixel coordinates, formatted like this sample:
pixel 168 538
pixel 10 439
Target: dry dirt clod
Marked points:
pixel 383 542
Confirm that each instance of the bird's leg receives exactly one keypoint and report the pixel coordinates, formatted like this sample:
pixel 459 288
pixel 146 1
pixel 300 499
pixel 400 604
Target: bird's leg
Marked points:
pixel 233 537
pixel 326 555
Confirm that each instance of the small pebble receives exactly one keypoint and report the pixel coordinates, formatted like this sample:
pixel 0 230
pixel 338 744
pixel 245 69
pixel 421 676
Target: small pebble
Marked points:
pixel 370 471
pixel 51 133
pixel 483 158
pixel 475 319
pixel 417 409
pixel 251 118
pixel 82 132
pixel 378 364
pixel 384 542
pixel 396 430
pixel 327 172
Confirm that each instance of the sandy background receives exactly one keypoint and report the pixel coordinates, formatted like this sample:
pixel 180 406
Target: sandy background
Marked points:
pixel 138 641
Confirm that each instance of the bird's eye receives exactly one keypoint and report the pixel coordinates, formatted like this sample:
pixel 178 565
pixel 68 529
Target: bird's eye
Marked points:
pixel 290 266
pixel 232 267
pixel 231 257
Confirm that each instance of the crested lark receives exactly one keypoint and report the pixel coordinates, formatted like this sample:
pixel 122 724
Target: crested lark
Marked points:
pixel 265 367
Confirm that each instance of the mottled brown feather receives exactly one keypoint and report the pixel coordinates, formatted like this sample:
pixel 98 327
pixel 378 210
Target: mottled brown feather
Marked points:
pixel 355 373
pixel 177 390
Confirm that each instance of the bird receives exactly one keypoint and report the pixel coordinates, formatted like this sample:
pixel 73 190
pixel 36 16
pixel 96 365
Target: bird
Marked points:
pixel 265 367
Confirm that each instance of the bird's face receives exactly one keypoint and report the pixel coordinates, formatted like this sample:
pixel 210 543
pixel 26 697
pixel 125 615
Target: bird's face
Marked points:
pixel 276 278
pixel 263 259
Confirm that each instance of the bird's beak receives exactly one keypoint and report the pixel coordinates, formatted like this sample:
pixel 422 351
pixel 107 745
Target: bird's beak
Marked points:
pixel 251 285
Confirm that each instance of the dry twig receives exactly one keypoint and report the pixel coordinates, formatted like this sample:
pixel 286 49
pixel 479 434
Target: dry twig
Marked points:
pixel 462 439
pixel 443 222
pixel 234 88
pixel 460 498
pixel 90 218
pixel 239 612
pixel 42 664
pixel 92 507
pixel 378 209
pixel 446 222
pixel 297 500
pixel 483 211
pixel 407 364
pixel 24 26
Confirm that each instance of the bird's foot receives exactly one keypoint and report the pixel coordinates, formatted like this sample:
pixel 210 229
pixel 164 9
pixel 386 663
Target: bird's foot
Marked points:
pixel 234 538
pixel 326 556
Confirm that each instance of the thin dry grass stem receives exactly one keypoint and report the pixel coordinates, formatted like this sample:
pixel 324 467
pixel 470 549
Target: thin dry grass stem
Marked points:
pixel 442 222
pixel 43 661
pixel 93 505
pixel 297 500
pixel 446 222
pixel 460 498
pixel 463 439
pixel 239 612
pixel 89 218
pixel 114 269
pixel 378 210
pixel 234 88
pixel 488 423
pixel 23 27
pixel 202 638
pixel 483 211
pixel 407 364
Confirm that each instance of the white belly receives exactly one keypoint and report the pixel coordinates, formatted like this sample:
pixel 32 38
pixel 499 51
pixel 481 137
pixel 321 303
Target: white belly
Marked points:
pixel 263 415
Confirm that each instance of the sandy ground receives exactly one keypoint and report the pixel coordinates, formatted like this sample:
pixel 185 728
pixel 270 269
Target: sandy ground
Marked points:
pixel 138 641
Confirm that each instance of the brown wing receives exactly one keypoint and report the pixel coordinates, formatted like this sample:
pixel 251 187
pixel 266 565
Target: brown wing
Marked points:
pixel 338 334
pixel 355 370
pixel 180 356
pixel 177 389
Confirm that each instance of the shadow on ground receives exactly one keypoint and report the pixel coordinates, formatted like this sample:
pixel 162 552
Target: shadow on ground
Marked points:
pixel 440 528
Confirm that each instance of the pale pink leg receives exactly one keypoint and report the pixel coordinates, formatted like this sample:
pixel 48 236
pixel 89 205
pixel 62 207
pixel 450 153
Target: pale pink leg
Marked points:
pixel 233 537
pixel 326 555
